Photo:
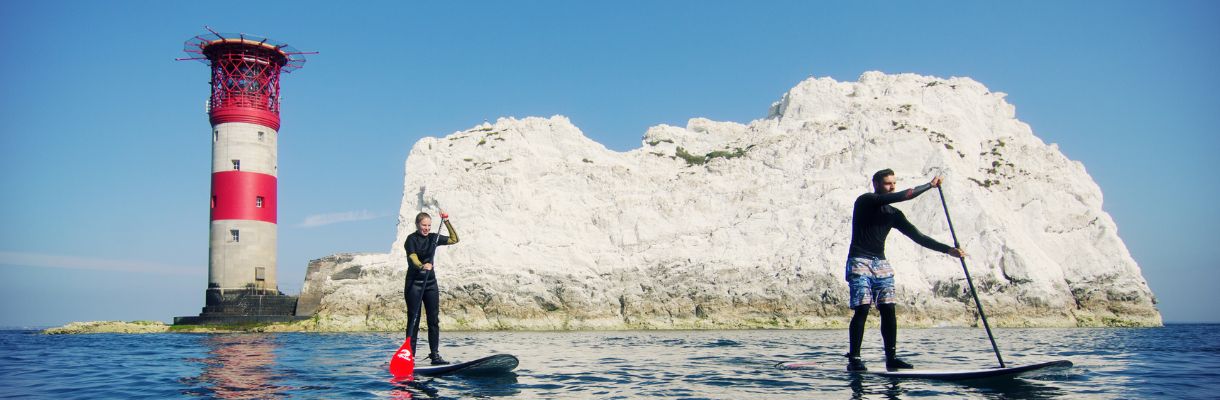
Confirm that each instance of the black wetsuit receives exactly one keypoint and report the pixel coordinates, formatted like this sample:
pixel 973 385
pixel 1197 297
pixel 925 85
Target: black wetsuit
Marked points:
pixel 871 221
pixel 873 217
pixel 420 251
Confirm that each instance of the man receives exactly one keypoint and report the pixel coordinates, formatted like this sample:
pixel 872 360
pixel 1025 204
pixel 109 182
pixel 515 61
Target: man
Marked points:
pixel 869 275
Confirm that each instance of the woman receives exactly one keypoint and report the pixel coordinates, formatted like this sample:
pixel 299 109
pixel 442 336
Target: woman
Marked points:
pixel 421 247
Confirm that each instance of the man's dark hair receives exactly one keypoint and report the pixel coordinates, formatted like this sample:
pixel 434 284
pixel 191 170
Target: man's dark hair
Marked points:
pixel 880 175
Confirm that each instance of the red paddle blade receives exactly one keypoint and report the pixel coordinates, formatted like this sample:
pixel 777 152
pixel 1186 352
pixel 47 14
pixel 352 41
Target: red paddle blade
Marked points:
pixel 402 365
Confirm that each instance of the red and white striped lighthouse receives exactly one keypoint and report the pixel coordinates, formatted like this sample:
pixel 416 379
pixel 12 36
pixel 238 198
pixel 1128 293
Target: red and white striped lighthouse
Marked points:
pixel 244 110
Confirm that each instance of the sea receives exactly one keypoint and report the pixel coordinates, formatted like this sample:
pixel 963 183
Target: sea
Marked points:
pixel 1177 361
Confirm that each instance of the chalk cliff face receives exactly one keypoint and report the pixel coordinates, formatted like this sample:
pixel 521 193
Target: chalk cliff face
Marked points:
pixel 724 225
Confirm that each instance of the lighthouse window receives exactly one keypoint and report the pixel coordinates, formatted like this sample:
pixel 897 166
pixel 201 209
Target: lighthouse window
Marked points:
pixel 237 165
pixel 213 201
pixel 260 136
pixel 260 273
pixel 258 202
pixel 215 136
pixel 236 235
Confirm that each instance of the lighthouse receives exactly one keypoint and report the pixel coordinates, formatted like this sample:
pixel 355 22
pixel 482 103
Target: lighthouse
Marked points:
pixel 244 111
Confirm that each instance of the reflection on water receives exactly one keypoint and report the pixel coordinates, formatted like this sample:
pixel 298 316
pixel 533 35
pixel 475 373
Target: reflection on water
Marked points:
pixel 239 366
pixel 889 390
pixel 1019 389
pixel 875 387
pixel 412 390
pixel 468 386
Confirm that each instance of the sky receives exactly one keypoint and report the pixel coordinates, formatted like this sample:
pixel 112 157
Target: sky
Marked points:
pixel 105 143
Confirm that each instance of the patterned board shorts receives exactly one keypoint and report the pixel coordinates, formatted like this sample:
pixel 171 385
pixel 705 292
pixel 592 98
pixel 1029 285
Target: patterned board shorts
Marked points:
pixel 871 281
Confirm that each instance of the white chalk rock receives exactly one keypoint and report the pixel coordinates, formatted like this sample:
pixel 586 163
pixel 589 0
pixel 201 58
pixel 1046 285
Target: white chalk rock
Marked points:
pixel 724 225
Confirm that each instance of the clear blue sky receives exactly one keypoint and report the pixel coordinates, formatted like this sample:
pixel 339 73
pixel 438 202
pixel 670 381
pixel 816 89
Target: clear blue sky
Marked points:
pixel 106 153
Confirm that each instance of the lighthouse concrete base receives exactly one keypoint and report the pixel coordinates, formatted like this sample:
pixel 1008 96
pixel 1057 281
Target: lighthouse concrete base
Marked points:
pixel 244 306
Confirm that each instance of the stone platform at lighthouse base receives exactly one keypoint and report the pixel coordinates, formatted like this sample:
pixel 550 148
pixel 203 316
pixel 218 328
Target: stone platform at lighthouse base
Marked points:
pixel 244 307
pixel 235 319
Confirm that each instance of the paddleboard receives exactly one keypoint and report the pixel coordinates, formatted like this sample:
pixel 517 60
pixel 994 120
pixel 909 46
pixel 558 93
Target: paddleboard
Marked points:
pixel 491 365
pixel 987 373
pixel 948 375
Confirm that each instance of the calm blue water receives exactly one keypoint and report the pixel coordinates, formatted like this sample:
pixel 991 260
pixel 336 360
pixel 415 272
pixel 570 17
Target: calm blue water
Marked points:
pixel 1176 362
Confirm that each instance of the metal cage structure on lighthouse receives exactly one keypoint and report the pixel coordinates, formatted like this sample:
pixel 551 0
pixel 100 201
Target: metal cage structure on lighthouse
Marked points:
pixel 246 73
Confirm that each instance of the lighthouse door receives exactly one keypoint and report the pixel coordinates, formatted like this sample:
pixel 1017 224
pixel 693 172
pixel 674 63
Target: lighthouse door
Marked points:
pixel 260 277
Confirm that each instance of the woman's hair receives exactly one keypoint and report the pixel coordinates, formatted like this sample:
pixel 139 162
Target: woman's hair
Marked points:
pixel 421 216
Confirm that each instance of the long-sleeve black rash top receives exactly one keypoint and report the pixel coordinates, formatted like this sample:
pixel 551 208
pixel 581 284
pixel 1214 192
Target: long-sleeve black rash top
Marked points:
pixel 420 249
pixel 873 217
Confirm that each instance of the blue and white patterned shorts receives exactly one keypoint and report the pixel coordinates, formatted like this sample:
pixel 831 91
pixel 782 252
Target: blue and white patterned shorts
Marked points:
pixel 870 280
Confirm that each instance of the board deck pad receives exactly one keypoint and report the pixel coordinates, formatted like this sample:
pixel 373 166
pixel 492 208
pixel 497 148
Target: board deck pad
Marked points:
pixel 942 374
pixel 491 365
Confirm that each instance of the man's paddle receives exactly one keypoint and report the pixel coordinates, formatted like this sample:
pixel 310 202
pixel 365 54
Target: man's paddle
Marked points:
pixel 402 364
pixel 968 280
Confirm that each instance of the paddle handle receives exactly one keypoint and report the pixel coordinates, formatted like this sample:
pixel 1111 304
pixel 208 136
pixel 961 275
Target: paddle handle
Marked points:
pixel 969 281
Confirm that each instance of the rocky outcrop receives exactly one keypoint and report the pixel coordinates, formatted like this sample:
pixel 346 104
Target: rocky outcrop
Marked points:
pixel 727 225
pixel 109 327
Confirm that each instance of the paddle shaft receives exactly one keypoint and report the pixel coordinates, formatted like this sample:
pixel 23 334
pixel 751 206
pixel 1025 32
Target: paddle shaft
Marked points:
pixel 970 282
pixel 414 322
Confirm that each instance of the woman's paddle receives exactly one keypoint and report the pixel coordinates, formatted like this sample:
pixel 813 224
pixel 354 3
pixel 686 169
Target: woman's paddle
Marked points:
pixel 968 280
pixel 402 364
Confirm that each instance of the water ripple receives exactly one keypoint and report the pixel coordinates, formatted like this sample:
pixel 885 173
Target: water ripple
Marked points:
pixel 1178 361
